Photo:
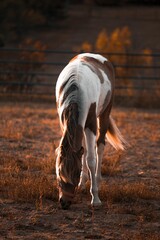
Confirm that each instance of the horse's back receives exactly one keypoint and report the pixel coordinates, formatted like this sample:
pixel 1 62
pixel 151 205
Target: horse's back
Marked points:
pixel 94 78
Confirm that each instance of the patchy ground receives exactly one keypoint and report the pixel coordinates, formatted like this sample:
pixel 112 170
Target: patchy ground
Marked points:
pixel 130 190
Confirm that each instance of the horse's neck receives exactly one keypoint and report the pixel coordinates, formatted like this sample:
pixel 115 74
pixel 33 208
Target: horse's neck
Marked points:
pixel 73 131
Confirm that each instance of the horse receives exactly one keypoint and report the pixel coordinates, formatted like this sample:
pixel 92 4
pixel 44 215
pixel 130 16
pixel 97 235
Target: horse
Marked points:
pixel 84 98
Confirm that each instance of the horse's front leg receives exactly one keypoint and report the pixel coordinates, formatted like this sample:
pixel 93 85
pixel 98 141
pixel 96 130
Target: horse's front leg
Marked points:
pixel 84 172
pixel 91 163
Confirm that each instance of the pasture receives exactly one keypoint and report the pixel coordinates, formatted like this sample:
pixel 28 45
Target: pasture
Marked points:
pixel 130 189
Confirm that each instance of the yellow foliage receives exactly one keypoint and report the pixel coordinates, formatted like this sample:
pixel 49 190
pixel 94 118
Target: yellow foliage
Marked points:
pixel 115 37
pixel 118 41
pixel 126 36
pixel 38 55
pixel 147 59
pixel 86 47
pixel 102 41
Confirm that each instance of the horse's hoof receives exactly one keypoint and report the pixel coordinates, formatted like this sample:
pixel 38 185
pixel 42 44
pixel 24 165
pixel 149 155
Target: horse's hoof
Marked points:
pixel 65 204
pixel 96 205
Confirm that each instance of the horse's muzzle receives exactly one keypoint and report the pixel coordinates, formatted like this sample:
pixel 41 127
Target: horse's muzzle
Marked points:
pixel 64 203
pixel 66 197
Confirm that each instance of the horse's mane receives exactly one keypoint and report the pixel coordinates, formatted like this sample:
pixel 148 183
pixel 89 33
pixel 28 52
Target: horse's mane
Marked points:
pixel 69 162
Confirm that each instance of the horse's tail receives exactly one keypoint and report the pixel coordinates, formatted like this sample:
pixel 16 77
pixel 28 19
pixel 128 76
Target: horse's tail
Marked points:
pixel 114 136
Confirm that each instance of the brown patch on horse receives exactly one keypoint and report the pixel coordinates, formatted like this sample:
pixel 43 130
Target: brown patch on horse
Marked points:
pixel 94 65
pixel 104 123
pixel 108 102
pixel 107 106
pixel 109 70
pixel 91 121
pixel 74 58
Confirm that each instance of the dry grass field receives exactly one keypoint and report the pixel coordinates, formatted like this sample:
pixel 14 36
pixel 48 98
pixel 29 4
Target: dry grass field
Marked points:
pixel 130 190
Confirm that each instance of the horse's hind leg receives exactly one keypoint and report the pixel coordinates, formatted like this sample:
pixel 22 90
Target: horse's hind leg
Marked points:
pixel 100 151
pixel 103 127
pixel 91 162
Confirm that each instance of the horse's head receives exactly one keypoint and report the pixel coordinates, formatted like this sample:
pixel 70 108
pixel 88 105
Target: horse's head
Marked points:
pixel 66 194
pixel 68 169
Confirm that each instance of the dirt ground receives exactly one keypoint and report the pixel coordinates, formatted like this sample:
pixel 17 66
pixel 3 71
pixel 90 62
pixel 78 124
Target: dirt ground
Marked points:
pixel 130 189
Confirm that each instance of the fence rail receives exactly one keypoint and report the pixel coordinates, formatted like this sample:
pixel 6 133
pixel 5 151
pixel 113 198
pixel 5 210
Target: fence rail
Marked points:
pixel 64 63
pixel 75 52
pixel 21 72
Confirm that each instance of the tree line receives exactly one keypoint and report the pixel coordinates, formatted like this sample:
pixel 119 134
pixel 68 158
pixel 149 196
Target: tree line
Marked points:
pixel 18 15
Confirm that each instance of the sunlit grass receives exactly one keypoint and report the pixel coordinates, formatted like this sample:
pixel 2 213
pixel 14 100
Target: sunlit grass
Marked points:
pixel 28 187
pixel 127 192
pixel 27 157
pixel 28 180
pixel 111 164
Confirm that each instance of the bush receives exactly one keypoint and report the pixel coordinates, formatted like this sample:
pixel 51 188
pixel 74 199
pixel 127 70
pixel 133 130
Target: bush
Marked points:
pixel 21 77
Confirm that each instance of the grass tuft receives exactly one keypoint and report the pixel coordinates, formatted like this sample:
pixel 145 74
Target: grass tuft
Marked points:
pixel 111 164
pixel 127 192
pixel 28 187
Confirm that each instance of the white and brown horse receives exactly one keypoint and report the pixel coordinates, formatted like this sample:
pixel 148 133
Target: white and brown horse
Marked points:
pixel 84 94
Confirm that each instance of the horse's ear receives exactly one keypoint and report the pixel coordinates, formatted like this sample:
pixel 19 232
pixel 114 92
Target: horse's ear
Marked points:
pixel 80 152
